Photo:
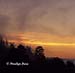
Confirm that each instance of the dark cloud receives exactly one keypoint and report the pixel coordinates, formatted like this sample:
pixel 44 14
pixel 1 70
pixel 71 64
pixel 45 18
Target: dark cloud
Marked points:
pixel 50 16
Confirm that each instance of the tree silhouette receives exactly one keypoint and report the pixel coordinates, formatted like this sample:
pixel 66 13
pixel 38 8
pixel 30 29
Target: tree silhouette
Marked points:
pixel 39 53
pixel 37 60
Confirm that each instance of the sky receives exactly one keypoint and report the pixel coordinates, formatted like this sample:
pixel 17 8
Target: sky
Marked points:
pixel 45 22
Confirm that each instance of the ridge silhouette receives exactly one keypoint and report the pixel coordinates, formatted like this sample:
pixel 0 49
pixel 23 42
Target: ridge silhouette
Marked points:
pixel 37 62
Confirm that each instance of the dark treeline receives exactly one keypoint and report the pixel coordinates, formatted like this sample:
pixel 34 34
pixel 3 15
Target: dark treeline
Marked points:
pixel 37 60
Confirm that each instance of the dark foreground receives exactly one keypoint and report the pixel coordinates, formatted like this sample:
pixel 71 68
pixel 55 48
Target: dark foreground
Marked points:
pixel 21 59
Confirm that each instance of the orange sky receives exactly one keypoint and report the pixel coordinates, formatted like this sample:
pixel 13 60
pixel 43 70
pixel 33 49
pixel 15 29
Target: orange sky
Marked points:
pixel 54 45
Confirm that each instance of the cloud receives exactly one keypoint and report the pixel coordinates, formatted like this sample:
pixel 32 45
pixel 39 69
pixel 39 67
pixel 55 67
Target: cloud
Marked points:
pixel 50 16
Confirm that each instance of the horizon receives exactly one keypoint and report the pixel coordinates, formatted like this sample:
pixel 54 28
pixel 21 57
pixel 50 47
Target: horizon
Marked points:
pixel 62 50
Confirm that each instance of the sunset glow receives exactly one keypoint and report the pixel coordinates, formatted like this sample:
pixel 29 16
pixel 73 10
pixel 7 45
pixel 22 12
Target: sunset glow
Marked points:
pixel 51 44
